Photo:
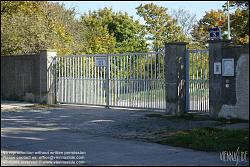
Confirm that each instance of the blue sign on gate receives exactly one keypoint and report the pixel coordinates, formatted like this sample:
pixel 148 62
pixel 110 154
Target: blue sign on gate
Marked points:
pixel 215 33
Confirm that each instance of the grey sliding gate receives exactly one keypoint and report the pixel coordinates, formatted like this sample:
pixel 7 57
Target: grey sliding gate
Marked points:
pixel 134 80
pixel 197 77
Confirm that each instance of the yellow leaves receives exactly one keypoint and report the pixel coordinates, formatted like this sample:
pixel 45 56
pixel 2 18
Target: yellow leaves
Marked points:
pixel 99 40
pixel 244 40
pixel 220 22
pixel 214 18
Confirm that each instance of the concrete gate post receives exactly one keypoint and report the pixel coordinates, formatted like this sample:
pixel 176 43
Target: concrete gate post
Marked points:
pixel 47 76
pixel 228 80
pixel 215 80
pixel 175 70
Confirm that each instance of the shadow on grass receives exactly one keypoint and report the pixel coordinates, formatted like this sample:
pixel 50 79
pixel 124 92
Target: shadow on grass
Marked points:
pixel 196 117
pixel 209 139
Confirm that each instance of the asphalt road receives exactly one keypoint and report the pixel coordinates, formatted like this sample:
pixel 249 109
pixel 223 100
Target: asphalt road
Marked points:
pixel 93 133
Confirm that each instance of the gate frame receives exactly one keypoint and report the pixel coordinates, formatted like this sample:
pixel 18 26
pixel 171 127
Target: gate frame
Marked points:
pixel 187 81
pixel 107 95
pixel 201 52
pixel 177 78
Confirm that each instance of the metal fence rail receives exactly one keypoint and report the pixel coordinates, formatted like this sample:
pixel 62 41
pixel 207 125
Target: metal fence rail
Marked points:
pixel 197 80
pixel 134 80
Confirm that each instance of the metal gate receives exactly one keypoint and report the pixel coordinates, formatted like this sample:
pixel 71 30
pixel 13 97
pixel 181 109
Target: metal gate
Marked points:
pixel 134 80
pixel 197 77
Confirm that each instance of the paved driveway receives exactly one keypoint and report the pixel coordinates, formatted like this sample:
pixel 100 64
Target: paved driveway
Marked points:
pixel 98 136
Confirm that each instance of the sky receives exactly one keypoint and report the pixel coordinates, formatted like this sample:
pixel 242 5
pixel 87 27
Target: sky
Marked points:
pixel 195 7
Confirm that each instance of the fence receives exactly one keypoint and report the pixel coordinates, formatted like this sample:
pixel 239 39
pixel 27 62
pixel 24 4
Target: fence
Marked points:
pixel 131 80
pixel 134 80
pixel 197 80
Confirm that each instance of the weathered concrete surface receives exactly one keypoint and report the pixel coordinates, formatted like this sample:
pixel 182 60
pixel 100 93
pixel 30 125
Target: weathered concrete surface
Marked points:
pixel 229 95
pixel 215 80
pixel 96 131
pixel 27 77
pixel 241 108
pixel 19 75
pixel 242 86
pixel 175 69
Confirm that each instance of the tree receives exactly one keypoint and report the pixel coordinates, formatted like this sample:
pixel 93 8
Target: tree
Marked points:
pixel 128 33
pixel 16 27
pixel 185 20
pixel 10 7
pixel 213 18
pixel 159 25
pixel 62 28
pixel 33 25
pixel 239 21
pixel 97 40
pixel 237 4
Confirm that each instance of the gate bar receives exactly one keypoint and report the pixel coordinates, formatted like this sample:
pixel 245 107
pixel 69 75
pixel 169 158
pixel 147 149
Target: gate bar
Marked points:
pixel 107 82
pixel 187 80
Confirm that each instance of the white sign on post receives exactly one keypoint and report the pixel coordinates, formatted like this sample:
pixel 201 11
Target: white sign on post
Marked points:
pixel 228 67
pixel 217 68
pixel 101 61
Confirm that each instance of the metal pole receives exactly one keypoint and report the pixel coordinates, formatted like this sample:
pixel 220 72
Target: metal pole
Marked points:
pixel 107 82
pixel 40 83
pixel 187 81
pixel 228 21
pixel 55 79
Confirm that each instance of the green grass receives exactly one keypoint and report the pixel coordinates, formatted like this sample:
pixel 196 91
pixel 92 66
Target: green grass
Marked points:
pixel 231 121
pixel 209 139
pixel 155 115
pixel 199 92
pixel 194 117
pixel 156 94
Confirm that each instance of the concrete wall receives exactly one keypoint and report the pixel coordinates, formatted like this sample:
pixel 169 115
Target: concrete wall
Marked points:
pixel 20 77
pixel 229 95
pixel 25 77
pixel 235 90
